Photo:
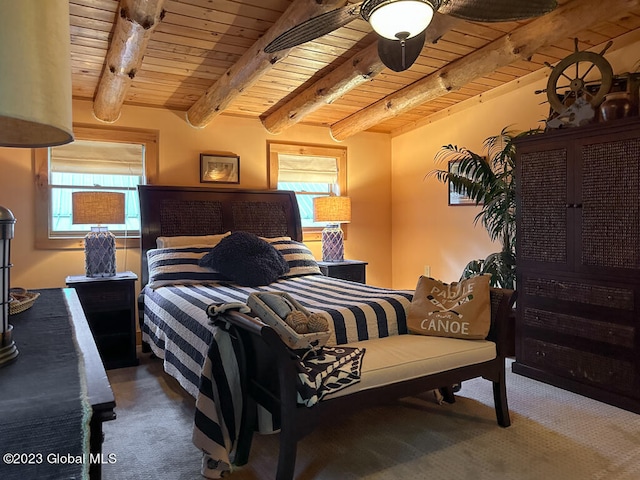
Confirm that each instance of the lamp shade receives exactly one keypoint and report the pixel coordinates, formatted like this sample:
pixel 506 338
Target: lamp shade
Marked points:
pixel 35 85
pixel 92 208
pixel 399 19
pixel 332 209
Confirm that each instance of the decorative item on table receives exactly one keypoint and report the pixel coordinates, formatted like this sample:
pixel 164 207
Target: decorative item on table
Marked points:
pixel 8 349
pixel 20 300
pixel 334 210
pixel 102 208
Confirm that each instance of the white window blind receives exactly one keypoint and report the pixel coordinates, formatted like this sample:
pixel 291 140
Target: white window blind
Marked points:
pixel 307 169
pixel 106 158
pixel 86 165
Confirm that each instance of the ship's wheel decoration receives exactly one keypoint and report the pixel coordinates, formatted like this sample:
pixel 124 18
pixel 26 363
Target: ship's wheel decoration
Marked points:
pixel 577 86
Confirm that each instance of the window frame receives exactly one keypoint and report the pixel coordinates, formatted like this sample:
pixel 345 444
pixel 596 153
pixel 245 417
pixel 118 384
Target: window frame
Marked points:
pixel 148 138
pixel 274 148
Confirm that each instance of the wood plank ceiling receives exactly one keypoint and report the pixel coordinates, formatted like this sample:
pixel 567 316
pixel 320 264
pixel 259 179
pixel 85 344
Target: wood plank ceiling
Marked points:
pixel 198 42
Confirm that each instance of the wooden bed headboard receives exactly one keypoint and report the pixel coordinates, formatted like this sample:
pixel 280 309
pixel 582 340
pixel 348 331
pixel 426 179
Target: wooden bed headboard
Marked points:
pixel 171 211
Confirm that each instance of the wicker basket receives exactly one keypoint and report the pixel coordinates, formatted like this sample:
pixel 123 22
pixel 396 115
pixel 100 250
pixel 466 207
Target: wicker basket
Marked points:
pixel 294 340
pixel 21 300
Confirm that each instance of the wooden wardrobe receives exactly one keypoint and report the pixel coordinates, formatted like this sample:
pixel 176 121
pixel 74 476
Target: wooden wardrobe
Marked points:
pixel 578 260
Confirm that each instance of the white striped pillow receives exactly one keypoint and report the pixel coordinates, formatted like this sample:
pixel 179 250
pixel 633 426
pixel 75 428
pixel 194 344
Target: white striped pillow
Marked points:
pixel 300 259
pixel 190 241
pixel 179 266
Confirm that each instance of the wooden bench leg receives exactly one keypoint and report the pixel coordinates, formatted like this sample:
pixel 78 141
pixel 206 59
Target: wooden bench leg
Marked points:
pixel 287 456
pixel 500 400
pixel 245 436
pixel 447 394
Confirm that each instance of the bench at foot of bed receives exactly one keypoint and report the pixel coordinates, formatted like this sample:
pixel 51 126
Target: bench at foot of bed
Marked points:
pixel 393 367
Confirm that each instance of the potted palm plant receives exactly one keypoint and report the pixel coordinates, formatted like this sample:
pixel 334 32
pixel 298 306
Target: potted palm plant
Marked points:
pixel 489 180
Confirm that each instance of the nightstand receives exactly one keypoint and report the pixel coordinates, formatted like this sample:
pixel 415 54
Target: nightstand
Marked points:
pixel 109 305
pixel 353 270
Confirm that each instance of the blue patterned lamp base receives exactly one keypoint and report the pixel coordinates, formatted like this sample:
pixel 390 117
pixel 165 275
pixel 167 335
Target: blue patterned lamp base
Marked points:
pixel 100 253
pixel 332 243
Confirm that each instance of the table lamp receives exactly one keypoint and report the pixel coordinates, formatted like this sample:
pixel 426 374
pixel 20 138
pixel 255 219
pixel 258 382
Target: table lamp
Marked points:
pixel 8 349
pixel 101 208
pixel 334 210
pixel 35 105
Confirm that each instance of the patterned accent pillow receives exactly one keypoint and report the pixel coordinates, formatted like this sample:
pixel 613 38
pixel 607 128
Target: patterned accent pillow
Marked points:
pixel 179 266
pixel 300 259
pixel 457 310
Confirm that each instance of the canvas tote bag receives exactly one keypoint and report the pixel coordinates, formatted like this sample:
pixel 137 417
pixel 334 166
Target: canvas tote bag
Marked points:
pixel 459 310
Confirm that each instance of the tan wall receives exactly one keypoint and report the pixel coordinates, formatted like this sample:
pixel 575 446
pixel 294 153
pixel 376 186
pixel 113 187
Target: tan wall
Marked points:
pixel 426 231
pixel 369 159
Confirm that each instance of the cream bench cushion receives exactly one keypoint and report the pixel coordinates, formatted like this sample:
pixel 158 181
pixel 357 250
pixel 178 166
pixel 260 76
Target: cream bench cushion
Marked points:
pixel 403 357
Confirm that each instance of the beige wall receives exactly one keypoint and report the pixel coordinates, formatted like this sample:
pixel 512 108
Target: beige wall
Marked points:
pixel 368 176
pixel 426 231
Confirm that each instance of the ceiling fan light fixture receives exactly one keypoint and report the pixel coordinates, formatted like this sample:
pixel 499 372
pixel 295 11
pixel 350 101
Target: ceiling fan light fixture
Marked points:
pixel 399 19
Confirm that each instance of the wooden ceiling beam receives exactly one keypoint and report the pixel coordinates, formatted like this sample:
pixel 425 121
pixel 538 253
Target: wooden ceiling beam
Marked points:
pixel 136 21
pixel 565 21
pixel 360 68
pixel 254 63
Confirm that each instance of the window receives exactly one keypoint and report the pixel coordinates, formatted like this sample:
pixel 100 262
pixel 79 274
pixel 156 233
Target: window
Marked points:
pixel 310 171
pixel 98 159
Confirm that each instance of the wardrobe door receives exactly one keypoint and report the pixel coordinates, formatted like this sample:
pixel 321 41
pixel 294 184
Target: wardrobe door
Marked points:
pixel 544 188
pixel 608 195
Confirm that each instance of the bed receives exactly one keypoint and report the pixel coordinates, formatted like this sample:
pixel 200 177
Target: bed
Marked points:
pixel 175 293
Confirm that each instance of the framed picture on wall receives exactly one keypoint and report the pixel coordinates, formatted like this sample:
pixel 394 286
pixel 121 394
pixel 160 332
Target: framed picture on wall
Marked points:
pixel 455 198
pixel 219 168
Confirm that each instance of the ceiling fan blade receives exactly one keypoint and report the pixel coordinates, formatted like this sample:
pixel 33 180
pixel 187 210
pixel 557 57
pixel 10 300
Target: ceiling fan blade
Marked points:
pixel 314 28
pixel 496 10
pixel 399 57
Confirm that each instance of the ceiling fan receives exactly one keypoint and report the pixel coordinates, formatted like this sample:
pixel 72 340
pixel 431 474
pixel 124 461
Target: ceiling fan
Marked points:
pixel 401 24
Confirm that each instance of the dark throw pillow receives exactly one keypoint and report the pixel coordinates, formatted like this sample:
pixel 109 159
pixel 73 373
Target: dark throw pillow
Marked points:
pixel 246 259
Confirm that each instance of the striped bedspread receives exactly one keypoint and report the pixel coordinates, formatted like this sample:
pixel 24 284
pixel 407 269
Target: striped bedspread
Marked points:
pixel 177 328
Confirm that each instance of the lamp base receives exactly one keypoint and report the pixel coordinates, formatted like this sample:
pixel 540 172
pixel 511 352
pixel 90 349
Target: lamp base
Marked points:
pixel 8 349
pixel 100 253
pixel 332 243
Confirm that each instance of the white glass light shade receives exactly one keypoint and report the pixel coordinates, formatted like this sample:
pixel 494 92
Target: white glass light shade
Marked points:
pixel 402 18
pixel 35 85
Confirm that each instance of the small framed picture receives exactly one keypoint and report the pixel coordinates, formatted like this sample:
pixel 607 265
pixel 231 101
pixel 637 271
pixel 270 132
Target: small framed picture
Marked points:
pixel 219 168
pixel 456 198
